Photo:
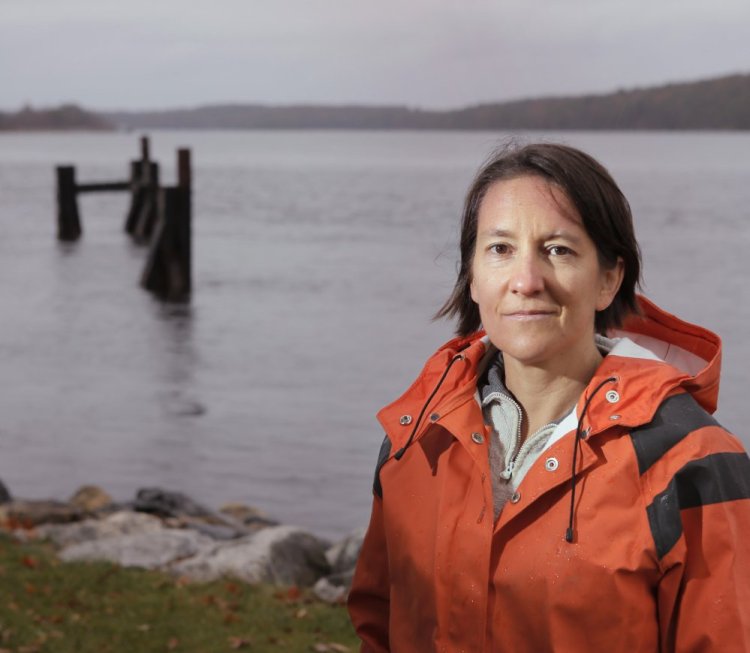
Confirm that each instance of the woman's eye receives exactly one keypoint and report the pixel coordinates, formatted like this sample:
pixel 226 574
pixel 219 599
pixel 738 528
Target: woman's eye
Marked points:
pixel 499 248
pixel 559 250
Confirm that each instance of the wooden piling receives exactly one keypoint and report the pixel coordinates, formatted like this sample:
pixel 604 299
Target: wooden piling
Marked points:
pixel 145 220
pixel 184 227
pixel 184 175
pixel 136 196
pixel 68 218
pixel 168 269
pixel 144 186
pixel 166 273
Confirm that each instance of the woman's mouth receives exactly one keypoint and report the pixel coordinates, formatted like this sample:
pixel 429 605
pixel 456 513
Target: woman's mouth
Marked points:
pixel 529 315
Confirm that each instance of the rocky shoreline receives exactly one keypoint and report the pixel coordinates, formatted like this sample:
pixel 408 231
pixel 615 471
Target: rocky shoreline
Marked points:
pixel 169 531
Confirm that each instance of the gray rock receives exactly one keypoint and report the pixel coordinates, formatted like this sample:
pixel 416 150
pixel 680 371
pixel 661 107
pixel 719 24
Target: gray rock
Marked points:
pixel 241 511
pixel 216 531
pixel 343 555
pixel 282 555
pixel 146 550
pixel 253 519
pixel 334 588
pixel 182 511
pixel 28 514
pixel 4 494
pixel 90 498
pixel 165 503
pixel 119 523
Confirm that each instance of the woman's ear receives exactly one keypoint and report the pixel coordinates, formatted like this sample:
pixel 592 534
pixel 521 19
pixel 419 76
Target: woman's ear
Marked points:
pixel 611 280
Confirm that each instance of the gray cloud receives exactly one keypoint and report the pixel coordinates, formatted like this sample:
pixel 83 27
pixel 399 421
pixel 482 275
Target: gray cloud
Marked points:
pixel 426 53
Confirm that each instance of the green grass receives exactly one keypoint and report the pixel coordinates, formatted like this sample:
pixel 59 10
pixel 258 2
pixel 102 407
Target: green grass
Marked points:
pixel 46 605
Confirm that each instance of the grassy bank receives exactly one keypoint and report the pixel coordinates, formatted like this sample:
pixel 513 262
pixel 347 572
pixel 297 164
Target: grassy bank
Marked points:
pixel 46 605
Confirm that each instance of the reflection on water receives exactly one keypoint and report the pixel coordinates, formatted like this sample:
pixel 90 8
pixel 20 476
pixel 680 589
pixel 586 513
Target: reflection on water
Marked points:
pixel 319 260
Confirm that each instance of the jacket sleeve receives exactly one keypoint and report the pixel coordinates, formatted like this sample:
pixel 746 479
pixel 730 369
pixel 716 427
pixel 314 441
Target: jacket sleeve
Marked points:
pixel 701 528
pixel 369 602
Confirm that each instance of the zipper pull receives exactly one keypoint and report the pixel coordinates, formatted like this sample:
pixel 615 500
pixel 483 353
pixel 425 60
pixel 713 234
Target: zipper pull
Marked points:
pixel 508 471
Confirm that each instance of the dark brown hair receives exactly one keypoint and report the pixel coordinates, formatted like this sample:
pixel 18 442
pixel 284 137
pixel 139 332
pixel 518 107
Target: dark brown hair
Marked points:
pixel 604 211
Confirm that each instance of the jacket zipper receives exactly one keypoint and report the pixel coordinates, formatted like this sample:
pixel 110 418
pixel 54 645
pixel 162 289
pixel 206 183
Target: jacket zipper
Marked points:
pixel 524 449
pixel 507 473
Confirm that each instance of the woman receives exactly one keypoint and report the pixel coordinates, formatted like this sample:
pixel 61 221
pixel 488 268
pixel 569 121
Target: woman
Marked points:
pixel 556 482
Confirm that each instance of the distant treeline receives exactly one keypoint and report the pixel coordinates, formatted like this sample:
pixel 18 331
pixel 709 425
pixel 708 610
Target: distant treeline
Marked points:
pixel 65 117
pixel 720 103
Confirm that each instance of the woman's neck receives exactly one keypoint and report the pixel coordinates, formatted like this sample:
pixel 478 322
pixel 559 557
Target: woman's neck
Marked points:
pixel 546 393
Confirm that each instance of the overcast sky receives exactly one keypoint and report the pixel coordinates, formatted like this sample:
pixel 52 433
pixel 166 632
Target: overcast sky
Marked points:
pixel 425 53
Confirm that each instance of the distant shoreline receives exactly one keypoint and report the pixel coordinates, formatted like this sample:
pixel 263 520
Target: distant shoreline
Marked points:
pixel 717 104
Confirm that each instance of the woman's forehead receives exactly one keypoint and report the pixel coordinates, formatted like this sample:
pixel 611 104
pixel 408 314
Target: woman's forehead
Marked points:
pixel 527 197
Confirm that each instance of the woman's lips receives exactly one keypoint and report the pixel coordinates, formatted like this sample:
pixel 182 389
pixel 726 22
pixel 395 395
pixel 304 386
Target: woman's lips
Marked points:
pixel 529 315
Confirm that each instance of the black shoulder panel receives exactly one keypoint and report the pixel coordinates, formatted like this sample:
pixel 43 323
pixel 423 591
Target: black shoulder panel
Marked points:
pixel 385 452
pixel 714 479
pixel 677 417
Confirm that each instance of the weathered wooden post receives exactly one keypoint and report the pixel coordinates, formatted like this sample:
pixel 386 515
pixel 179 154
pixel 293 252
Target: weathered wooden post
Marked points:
pixel 185 186
pixel 68 219
pixel 144 180
pixel 146 216
pixel 168 269
pixel 136 197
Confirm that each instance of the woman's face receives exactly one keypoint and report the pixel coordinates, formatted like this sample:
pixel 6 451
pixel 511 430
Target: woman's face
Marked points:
pixel 536 275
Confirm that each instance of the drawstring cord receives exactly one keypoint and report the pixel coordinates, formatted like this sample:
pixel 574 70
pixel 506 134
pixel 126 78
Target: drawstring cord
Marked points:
pixel 569 531
pixel 403 449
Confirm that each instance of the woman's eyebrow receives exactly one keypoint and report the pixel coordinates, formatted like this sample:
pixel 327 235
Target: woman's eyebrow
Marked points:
pixel 552 235
pixel 496 233
pixel 565 235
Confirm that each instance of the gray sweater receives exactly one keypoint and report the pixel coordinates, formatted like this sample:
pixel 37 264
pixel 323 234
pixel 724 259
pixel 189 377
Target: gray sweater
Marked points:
pixel 509 458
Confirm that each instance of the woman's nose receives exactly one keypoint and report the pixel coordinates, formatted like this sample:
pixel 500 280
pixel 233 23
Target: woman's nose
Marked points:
pixel 527 277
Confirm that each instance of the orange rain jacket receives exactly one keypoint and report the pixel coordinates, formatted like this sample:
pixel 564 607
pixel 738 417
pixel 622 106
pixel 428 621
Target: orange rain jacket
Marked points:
pixel 660 556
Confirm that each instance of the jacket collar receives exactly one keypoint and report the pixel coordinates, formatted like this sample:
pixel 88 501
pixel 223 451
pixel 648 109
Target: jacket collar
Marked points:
pixel 459 386
pixel 654 355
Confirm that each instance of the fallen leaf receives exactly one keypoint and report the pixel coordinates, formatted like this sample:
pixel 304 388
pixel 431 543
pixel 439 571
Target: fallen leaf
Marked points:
pixel 143 627
pixel 208 599
pixel 182 581
pixel 238 642
pixel 301 613
pixel 293 593
pixel 330 647
pixel 30 562
pixel 173 643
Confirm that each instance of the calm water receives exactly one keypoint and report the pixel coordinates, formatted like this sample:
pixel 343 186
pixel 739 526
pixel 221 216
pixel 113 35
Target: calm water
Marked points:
pixel 319 259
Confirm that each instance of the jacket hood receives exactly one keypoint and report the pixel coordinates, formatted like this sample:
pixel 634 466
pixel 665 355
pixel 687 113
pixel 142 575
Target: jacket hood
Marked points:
pixel 653 356
pixel 693 351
